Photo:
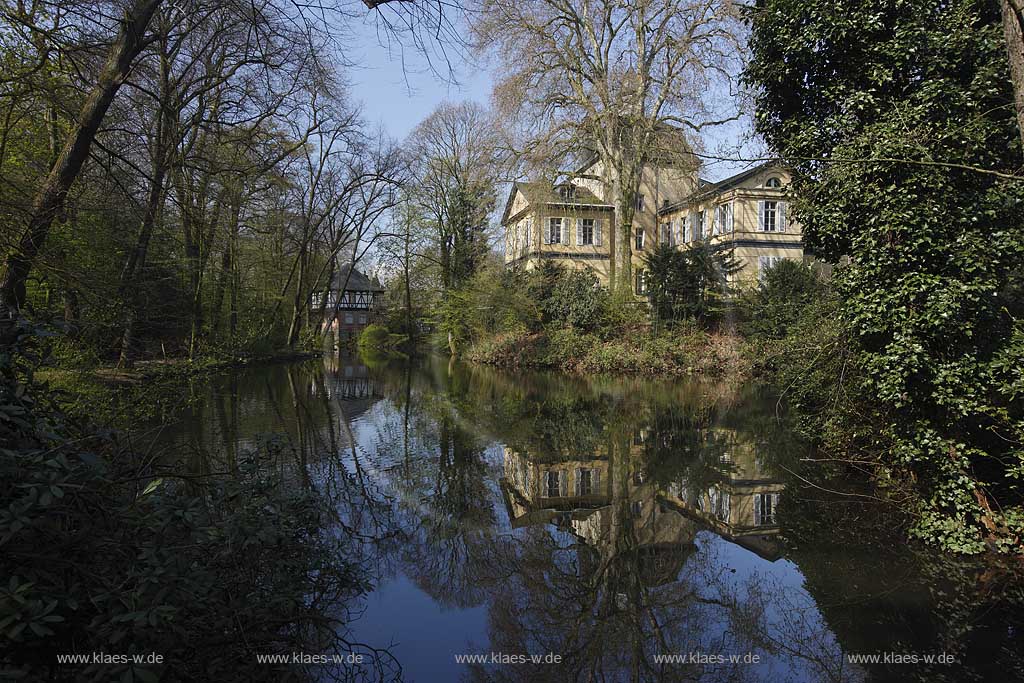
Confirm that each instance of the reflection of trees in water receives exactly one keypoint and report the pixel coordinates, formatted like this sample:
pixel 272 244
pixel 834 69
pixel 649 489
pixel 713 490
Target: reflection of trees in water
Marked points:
pixel 414 488
pixel 600 614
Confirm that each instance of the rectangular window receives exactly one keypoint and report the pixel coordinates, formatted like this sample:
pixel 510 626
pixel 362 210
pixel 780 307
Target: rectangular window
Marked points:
pixel 348 318
pixel 586 233
pixel 723 219
pixel 639 239
pixel 554 231
pixel 769 216
pixel 639 202
pixel 765 508
pixel 698 225
pixel 641 282
pixel 666 234
pixel 362 318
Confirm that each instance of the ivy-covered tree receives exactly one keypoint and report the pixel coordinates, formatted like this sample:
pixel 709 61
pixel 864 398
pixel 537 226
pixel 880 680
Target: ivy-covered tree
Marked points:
pixel 898 118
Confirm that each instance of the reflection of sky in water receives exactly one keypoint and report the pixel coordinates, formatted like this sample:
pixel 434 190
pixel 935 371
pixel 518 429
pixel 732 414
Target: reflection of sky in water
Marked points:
pixel 429 604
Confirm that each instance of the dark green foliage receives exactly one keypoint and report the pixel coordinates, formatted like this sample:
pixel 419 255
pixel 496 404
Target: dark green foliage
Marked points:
pixel 927 308
pixel 468 221
pixel 102 552
pixel 689 283
pixel 576 299
pixel 772 309
pixel 374 337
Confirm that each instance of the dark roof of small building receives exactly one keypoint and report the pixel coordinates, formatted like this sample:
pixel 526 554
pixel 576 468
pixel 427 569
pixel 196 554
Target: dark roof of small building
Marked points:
pixel 357 281
pixel 546 193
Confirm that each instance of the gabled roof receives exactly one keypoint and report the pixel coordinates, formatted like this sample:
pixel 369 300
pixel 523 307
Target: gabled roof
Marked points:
pixel 707 189
pixel 357 282
pixel 544 193
pixel 671 149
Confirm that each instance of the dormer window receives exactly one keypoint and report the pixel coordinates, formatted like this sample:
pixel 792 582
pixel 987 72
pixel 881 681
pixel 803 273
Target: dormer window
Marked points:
pixel 773 182
pixel 568 192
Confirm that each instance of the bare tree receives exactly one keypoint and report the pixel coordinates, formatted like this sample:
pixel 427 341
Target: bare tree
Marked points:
pixel 456 158
pixel 123 33
pixel 624 84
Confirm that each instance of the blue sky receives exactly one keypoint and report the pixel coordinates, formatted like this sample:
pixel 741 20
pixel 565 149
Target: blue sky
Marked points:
pixel 398 96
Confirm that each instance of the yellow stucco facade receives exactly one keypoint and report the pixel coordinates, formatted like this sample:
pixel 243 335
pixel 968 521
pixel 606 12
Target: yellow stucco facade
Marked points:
pixel 574 224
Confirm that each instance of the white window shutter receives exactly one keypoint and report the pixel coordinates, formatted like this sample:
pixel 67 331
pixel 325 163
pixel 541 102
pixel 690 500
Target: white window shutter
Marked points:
pixel 758 513
pixel 546 229
pixel 577 484
pixel 563 483
pixel 781 227
pixel 597 231
pixel 595 480
pixel 729 217
pixel 760 216
pixel 565 231
pixel 579 232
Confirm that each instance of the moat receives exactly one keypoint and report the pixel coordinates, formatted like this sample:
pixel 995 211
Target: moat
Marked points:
pixel 537 527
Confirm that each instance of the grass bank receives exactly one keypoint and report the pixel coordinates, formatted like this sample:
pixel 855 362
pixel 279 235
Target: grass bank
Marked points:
pixel 670 353
pixel 149 390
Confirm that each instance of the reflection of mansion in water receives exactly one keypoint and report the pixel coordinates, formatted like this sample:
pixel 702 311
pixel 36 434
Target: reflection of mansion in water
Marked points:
pixel 740 505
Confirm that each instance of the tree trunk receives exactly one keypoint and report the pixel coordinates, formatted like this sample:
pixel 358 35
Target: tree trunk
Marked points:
pixel 299 302
pixel 408 287
pixel 1013 29
pixel 51 195
pixel 136 261
pixel 227 266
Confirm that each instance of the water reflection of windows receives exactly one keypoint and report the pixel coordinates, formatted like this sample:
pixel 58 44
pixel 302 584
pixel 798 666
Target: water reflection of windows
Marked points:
pixel 765 505
pixel 638 509
pixel 555 483
pixel 638 476
pixel 761 462
pixel 680 490
pixel 588 481
pixel 718 504
pixel 522 475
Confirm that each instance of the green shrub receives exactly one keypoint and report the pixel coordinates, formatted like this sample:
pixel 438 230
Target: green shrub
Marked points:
pixel 374 337
pixel 101 551
pixel 577 299
pixel 780 300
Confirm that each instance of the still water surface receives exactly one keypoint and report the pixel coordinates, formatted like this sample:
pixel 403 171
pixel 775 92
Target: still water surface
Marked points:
pixel 606 524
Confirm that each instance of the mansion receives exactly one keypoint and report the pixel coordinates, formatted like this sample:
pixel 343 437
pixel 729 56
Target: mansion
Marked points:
pixel 573 223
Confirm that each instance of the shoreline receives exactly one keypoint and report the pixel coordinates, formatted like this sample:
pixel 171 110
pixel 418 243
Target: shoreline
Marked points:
pixel 666 355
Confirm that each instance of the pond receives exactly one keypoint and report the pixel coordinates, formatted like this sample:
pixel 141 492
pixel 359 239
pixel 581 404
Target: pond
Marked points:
pixel 539 527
